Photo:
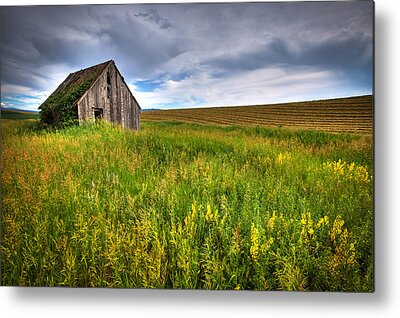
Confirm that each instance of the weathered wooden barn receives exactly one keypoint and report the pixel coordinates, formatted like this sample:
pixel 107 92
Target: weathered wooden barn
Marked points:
pixel 96 92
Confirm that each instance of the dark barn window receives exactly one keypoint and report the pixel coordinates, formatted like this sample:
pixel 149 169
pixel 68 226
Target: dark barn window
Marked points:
pixel 98 113
pixel 108 85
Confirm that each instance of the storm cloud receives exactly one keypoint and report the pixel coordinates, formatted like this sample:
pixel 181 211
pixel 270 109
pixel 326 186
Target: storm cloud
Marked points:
pixel 189 55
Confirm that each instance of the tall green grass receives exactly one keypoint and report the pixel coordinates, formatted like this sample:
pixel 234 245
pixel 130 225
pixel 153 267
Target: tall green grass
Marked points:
pixel 186 206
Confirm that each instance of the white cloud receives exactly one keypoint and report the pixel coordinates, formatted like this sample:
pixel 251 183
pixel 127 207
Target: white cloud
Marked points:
pixel 268 85
pixel 23 97
pixel 204 55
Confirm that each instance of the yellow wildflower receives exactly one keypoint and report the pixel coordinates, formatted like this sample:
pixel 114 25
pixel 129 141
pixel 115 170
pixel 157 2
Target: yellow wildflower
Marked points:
pixel 319 223
pixel 281 158
pixel 337 227
pixel 306 226
pixel 209 214
pixel 255 243
pixel 267 245
pixel 271 221
pixel 303 219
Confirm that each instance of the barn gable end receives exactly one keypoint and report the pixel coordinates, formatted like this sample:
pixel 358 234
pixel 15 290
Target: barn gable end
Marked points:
pixel 96 92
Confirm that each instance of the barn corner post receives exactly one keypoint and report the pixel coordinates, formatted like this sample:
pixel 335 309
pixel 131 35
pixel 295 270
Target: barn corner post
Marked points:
pixel 100 92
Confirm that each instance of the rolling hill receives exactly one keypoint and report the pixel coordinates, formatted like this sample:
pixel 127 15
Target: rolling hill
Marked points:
pixel 18 114
pixel 351 114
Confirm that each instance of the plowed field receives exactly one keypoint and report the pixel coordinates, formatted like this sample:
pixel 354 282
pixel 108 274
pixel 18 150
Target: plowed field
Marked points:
pixel 353 115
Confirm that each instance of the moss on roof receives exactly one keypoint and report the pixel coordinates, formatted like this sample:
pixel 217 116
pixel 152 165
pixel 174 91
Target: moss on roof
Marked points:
pixel 75 85
pixel 58 109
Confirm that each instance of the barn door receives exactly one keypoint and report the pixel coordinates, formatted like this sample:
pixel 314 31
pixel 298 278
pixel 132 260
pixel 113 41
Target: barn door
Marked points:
pixel 98 113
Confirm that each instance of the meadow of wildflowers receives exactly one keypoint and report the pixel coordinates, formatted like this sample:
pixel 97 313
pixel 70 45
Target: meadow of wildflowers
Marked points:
pixel 186 206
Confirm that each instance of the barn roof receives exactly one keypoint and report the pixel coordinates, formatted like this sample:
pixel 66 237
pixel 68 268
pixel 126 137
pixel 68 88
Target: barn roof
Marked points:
pixel 75 85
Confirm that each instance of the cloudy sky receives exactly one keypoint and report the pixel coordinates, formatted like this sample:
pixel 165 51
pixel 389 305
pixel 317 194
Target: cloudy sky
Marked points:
pixel 192 55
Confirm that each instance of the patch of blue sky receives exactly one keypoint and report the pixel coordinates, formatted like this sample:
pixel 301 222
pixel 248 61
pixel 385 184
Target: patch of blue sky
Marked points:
pixel 148 85
pixel 21 101
pixel 158 82
pixel 180 76
pixel 12 102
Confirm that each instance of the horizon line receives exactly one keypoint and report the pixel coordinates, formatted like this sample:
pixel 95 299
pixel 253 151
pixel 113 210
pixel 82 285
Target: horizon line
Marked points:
pixel 216 106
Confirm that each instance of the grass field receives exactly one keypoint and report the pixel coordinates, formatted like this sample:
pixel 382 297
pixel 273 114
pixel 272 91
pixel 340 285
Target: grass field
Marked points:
pixel 180 205
pixel 349 115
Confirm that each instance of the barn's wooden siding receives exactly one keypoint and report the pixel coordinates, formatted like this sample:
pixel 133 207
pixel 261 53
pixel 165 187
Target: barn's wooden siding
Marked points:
pixel 120 107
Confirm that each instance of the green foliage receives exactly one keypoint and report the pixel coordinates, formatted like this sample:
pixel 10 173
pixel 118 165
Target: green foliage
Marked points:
pixel 182 206
pixel 59 109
